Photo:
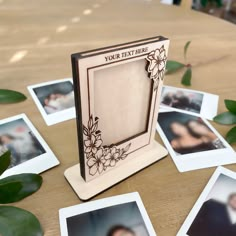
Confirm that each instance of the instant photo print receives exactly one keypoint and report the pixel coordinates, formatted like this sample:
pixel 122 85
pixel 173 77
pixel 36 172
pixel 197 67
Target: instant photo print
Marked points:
pixel 192 142
pixel 190 101
pixel 119 215
pixel 117 93
pixel 214 213
pixel 55 100
pixel 29 152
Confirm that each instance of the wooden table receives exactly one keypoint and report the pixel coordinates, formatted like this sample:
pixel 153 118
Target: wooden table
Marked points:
pixel 47 32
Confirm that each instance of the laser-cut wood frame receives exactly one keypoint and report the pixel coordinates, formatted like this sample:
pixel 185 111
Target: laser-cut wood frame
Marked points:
pixel 115 89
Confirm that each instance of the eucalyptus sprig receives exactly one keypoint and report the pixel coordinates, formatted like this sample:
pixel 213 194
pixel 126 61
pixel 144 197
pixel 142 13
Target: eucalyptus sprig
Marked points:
pixel 228 118
pixel 173 66
pixel 15 221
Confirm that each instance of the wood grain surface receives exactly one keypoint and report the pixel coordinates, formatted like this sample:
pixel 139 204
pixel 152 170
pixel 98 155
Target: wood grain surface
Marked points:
pixel 36 40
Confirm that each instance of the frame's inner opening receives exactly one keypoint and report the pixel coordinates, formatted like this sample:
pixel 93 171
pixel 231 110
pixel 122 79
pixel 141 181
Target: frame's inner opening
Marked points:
pixel 122 97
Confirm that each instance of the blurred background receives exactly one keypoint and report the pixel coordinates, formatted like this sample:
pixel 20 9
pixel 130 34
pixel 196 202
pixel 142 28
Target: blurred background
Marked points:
pixel 225 9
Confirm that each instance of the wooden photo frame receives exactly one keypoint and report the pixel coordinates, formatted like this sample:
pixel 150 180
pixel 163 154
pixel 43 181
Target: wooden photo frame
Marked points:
pixel 117 93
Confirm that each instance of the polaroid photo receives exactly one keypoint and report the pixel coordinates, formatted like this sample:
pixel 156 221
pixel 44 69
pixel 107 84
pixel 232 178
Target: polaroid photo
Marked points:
pixel 214 213
pixel 29 152
pixel 192 142
pixel 122 215
pixel 55 100
pixel 191 101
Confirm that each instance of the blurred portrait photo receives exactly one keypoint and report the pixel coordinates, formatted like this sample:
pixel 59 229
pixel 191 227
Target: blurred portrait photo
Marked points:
pixel 182 99
pixel 120 220
pixel 188 134
pixel 55 100
pixel 122 215
pixel 217 215
pixel 56 97
pixel 18 138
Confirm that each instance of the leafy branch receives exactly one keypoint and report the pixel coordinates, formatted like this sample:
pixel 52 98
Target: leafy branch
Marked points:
pixel 174 66
pixel 15 221
pixel 228 118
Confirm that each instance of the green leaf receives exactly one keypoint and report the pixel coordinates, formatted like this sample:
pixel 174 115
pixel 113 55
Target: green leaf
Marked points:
pixel 186 79
pixel 226 118
pixel 173 66
pixel 9 191
pixel 204 3
pixel 186 48
pixel 30 184
pixel 231 105
pixel 10 96
pixel 231 135
pixel 5 160
pixel 18 222
pixel 219 3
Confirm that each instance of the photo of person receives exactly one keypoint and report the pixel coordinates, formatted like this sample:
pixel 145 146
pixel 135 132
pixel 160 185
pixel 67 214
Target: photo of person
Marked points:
pixel 122 215
pixel 216 218
pixel 55 100
pixel 215 211
pixel 18 138
pixel 182 99
pixel 120 230
pixel 188 134
pixel 120 220
pixel 56 97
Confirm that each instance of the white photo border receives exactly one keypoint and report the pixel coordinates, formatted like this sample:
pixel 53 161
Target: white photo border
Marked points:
pixel 59 116
pixel 202 198
pixel 37 164
pixel 206 111
pixel 65 213
pixel 199 160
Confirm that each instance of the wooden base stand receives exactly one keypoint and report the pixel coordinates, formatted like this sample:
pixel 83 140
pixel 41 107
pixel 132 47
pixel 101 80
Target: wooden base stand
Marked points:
pixel 87 190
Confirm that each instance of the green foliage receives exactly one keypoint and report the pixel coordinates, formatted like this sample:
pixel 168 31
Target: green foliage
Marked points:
pixel 18 222
pixel 9 191
pixel 231 105
pixel 231 135
pixel 10 96
pixel 217 3
pixel 186 79
pixel 228 118
pixel 5 160
pixel 29 183
pixel 15 221
pixel 174 66
pixel 186 49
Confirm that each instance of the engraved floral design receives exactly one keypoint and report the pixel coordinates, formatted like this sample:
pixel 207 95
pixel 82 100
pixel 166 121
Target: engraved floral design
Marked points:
pixel 92 144
pixel 96 162
pixel 111 157
pixel 157 62
pixel 99 157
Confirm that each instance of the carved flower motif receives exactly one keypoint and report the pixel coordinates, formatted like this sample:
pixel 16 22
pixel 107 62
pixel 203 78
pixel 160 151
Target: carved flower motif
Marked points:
pixel 96 163
pixel 157 64
pixel 92 143
pixel 99 157
pixel 112 157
